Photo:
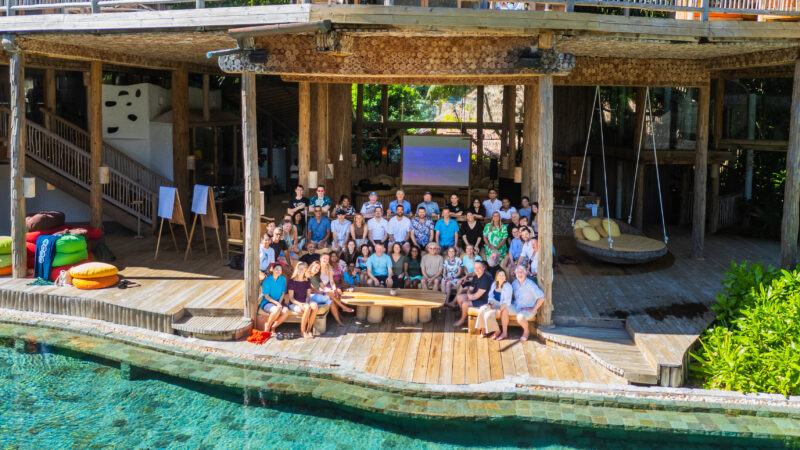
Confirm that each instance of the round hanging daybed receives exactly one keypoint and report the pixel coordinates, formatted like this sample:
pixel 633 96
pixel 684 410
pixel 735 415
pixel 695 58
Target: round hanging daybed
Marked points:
pixel 615 241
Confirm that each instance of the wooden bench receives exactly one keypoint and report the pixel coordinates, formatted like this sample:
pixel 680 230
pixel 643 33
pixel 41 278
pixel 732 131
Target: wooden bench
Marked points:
pixel 320 323
pixel 512 320
pixel 416 303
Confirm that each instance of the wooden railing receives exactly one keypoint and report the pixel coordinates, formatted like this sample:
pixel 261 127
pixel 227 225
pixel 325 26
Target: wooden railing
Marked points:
pixel 730 213
pixel 703 7
pixel 74 164
pixel 112 156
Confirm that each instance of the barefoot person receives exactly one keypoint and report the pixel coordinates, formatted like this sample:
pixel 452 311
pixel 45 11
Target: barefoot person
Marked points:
pixel 476 293
pixel 528 298
pixel 500 296
pixel 299 293
pixel 274 290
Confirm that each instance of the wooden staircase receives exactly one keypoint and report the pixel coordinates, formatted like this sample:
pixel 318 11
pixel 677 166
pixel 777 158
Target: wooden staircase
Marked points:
pixel 60 156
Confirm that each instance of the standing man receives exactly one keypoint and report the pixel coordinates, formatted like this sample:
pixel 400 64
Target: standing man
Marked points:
pixel 431 208
pixel 319 228
pixel 399 226
pixel 377 228
pixel 422 228
pixel 400 201
pixel 340 229
pixel 493 204
pixel 298 203
pixel 446 231
pixel 475 293
pixel 379 268
pixel 321 200
pixel 369 207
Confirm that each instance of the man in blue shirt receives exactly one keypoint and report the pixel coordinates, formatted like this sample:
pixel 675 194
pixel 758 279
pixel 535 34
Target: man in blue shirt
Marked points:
pixel 319 228
pixel 340 228
pixel 446 231
pixel 274 288
pixel 401 201
pixel 379 268
pixel 431 208
pixel 528 298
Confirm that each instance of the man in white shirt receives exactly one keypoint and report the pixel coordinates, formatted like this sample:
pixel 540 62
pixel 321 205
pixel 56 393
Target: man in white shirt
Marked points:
pixel 493 204
pixel 506 209
pixel 370 208
pixel 339 229
pixel 377 228
pixel 399 226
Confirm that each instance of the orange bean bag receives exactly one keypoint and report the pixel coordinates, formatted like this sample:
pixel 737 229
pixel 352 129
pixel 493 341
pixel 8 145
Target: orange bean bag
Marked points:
pixel 5 270
pixel 95 283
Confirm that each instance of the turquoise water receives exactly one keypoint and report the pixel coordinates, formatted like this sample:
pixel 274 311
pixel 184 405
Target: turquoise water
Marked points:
pixel 57 400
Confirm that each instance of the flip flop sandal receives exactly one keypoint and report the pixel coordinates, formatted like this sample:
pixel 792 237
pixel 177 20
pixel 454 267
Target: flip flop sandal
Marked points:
pixel 279 336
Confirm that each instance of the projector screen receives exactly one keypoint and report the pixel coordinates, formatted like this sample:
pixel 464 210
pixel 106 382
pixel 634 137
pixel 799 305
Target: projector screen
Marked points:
pixel 436 160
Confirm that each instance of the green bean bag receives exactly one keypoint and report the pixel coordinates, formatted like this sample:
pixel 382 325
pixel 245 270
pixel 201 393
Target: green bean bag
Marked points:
pixel 66 259
pixel 5 245
pixel 5 260
pixel 70 243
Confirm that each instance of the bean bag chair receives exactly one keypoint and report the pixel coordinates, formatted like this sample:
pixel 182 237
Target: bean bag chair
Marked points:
pixel 44 220
pixel 31 236
pixel 69 243
pixel 5 271
pixel 95 283
pixel 31 250
pixel 67 259
pixel 56 271
pixel 5 260
pixel 5 245
pixel 93 270
pixel 94 233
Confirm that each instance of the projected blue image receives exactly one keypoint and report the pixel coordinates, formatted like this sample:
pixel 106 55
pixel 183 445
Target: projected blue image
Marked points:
pixel 435 166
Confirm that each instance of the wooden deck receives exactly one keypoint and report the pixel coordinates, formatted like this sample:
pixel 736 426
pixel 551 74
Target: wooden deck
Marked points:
pixel 613 324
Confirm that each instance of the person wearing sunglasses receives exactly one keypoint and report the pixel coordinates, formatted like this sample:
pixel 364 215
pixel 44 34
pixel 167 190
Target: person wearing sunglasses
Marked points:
pixel 321 200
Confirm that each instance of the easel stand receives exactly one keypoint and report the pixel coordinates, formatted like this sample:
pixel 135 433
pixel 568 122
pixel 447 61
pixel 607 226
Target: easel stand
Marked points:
pixel 208 214
pixel 176 216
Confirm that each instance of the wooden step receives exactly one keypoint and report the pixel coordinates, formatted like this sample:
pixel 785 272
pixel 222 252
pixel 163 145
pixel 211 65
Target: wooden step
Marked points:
pixel 213 328
pixel 612 348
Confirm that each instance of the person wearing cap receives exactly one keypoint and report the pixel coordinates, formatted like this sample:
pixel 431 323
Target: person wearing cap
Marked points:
pixel 369 207
pixel 340 228
pixel 377 228
pixel 399 226
pixel 431 208
pixel 321 200
pixel 400 201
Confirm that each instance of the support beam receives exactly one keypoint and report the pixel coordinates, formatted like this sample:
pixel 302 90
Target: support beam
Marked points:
pixel 304 133
pixel 16 142
pixel 359 131
pixel 719 103
pixel 638 210
pixel 206 99
pixel 252 198
pixel 700 173
pixel 96 143
pixel 530 156
pixel 507 140
pixel 321 131
pixel 641 92
pixel 481 96
pixel 340 126
pixel 791 194
pixel 385 120
pixel 180 133
pixel 713 220
pixel 49 94
pixel 544 143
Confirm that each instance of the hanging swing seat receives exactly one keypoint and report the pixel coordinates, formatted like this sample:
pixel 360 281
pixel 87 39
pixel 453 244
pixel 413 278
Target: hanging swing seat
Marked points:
pixel 630 247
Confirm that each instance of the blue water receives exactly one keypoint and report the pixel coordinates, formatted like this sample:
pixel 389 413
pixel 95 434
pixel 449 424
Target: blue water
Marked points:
pixel 55 400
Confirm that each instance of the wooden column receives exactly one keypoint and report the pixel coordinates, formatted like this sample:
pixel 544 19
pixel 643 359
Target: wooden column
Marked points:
pixel 269 142
pixel 340 126
pixel 359 131
pixel 544 144
pixel 530 157
pixel 385 120
pixel 791 194
pixel 216 156
pixel 714 213
pixel 96 143
pixel 180 133
pixel 321 125
pixel 16 142
pixel 49 94
pixel 206 99
pixel 509 143
pixel 304 134
pixel 719 103
pixel 638 209
pixel 638 115
pixel 252 198
pixel 479 131
pixel 700 173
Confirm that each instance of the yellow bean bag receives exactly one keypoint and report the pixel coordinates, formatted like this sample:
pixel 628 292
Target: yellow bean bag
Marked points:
pixel 5 245
pixel 95 283
pixel 580 224
pixel 613 226
pixel 5 270
pixel 93 270
pixel 595 221
pixel 579 234
pixel 590 234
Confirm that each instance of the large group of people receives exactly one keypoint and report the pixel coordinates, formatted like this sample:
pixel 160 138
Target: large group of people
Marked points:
pixel 482 256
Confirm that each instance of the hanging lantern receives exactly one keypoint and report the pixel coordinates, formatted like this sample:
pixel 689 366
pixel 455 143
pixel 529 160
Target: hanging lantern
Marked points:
pixel 29 187
pixel 517 174
pixel 191 162
pixel 261 203
pixel 312 178
pixel 105 174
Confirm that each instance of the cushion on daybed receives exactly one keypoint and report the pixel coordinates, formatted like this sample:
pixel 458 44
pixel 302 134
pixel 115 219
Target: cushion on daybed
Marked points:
pixel 579 233
pixel 590 234
pixel 580 224
pixel 93 270
pixel 614 227
pixel 95 283
pixel 44 220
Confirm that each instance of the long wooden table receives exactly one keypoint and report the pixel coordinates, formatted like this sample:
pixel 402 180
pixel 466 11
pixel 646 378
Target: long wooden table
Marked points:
pixel 416 303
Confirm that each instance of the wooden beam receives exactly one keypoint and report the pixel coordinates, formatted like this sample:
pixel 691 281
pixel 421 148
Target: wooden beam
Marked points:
pixel 530 156
pixel 96 143
pixel 638 210
pixel 385 120
pixel 713 219
pixel 719 103
pixel 393 124
pixel 509 131
pixel 641 93
pixel 252 197
pixel 16 142
pixel 791 194
pixel 481 97
pixel 340 119
pixel 206 99
pixel 322 132
pixel 359 131
pixel 180 133
pixel 544 143
pixel 755 144
pixel 49 94
pixel 700 173
pixel 304 133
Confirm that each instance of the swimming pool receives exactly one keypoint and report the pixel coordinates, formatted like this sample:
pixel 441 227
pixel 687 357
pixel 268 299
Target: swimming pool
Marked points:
pixel 59 398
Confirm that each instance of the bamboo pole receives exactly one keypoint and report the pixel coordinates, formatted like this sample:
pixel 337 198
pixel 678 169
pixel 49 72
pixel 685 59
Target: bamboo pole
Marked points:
pixel 700 173
pixel 544 143
pixel 322 131
pixel 16 143
pixel 96 143
pixel 385 120
pixel 252 198
pixel 791 194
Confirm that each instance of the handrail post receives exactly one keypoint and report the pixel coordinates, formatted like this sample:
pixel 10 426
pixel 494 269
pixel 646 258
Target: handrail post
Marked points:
pixel 570 5
pixel 706 7
pixel 95 7
pixel 199 4
pixel 9 4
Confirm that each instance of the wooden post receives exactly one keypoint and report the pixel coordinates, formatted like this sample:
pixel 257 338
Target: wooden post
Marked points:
pixel 252 198
pixel 639 115
pixel 530 156
pixel 544 143
pixel 216 156
pixel 206 99
pixel 791 194
pixel 479 131
pixel 511 131
pixel 719 103
pixel 49 94
pixel 322 131
pixel 269 141
pixel 180 132
pixel 340 120
pixel 713 221
pixel 96 143
pixel 385 120
pixel 16 142
pixel 359 131
pixel 506 133
pixel 304 134
pixel 700 173
pixel 638 210
pixel 685 182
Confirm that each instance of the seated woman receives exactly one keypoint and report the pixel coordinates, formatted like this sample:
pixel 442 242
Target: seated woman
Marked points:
pixel 289 234
pixel 414 269
pixel 338 267
pixel 274 289
pixel 500 296
pixel 346 206
pixel 528 298
pixel 399 266
pixel 361 260
pixel 326 285
pixel 358 230
pixel 350 277
pixel 298 296
pixel 350 253
pixel 452 271
pixel 468 259
pixel 299 220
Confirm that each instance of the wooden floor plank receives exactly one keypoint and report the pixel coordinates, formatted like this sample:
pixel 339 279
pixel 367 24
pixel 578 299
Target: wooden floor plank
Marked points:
pixel 423 351
pixel 482 349
pixel 435 355
pixel 507 357
pixel 459 356
pixel 412 349
pixel 399 355
pixel 496 371
pixel 446 369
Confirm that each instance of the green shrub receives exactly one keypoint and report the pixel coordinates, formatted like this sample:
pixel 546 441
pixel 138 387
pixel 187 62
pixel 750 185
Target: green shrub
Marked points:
pixel 753 346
